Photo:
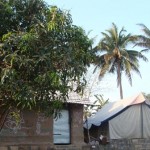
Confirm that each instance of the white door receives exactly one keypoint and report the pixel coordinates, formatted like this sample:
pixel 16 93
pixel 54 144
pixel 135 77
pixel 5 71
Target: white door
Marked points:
pixel 61 128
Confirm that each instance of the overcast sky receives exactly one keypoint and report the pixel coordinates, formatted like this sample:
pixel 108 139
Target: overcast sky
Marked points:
pixel 98 16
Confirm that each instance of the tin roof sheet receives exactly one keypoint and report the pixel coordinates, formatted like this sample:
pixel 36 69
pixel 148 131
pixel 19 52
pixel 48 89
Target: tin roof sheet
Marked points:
pixel 78 99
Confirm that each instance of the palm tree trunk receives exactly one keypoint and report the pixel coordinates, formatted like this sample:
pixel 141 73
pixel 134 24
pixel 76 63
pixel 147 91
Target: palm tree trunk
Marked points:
pixel 119 80
pixel 121 92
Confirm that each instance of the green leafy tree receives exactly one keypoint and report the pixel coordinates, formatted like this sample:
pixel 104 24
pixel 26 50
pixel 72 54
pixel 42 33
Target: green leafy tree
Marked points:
pixel 21 15
pixel 40 55
pixel 114 57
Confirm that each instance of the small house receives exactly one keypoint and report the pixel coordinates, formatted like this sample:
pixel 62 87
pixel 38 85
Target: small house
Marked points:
pixel 35 131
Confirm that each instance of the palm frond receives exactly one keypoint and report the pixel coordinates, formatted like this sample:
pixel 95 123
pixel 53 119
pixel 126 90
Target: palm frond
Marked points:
pixel 113 66
pixel 124 53
pixel 103 71
pixel 127 70
pixel 144 40
pixel 145 29
pixel 145 50
pixel 113 32
pixel 141 56
pixel 136 69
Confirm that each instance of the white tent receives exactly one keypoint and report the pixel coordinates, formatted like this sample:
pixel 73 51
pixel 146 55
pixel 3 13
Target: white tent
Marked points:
pixel 127 118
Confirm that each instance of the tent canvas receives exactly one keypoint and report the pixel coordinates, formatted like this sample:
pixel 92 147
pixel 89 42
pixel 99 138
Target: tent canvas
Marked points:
pixel 127 118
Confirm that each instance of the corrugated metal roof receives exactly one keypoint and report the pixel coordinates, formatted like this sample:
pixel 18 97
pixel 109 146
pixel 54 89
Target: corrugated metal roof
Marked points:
pixel 83 101
pixel 78 99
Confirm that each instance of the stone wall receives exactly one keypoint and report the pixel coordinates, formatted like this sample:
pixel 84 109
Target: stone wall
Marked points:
pixel 125 144
pixel 32 128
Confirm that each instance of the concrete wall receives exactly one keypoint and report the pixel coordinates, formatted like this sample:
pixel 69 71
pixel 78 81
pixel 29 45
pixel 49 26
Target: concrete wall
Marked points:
pixel 34 131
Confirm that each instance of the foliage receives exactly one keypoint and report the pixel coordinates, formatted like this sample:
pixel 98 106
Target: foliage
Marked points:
pixel 147 96
pixel 114 57
pixel 16 116
pixel 21 15
pixel 144 40
pixel 40 54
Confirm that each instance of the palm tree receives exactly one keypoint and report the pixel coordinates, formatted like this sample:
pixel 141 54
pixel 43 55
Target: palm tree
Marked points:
pixel 144 40
pixel 114 57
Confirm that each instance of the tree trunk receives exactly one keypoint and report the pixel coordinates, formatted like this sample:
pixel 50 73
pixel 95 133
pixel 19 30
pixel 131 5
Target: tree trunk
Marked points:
pixel 119 80
pixel 3 117
pixel 120 86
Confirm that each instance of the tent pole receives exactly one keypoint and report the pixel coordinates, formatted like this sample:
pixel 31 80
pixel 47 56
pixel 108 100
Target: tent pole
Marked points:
pixel 141 121
pixel 88 132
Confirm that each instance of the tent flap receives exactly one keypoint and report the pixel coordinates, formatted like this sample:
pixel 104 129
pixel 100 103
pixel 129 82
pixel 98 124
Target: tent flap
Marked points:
pixel 127 124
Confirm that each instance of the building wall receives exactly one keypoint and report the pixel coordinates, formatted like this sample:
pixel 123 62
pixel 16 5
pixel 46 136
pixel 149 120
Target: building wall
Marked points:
pixel 32 128
pixel 34 131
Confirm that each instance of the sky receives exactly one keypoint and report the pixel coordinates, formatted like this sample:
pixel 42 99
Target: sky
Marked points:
pixel 97 16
